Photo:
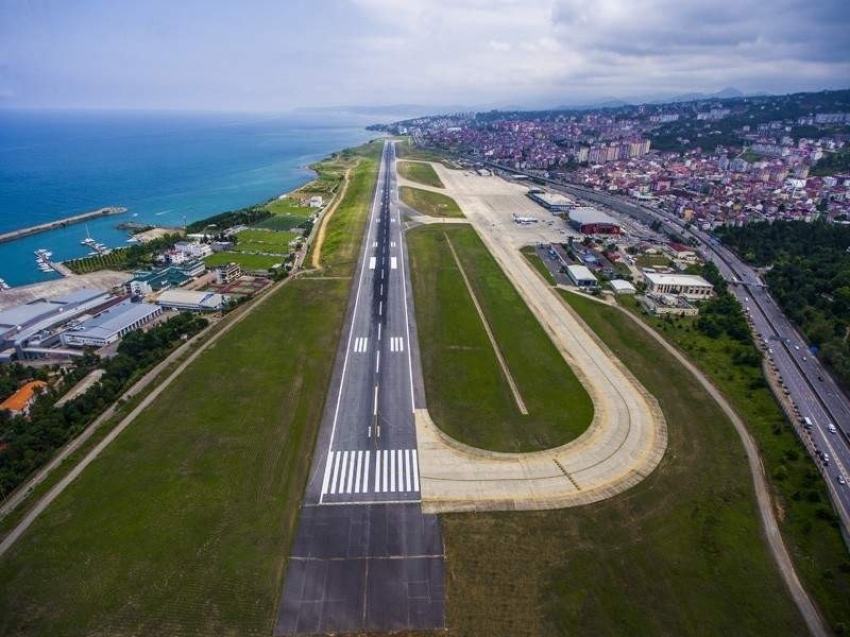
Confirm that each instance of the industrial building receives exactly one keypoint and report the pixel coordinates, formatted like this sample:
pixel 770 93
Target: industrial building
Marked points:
pixel 555 203
pixel 110 325
pixel 581 276
pixel 691 287
pixel 25 330
pixel 191 301
pixel 589 220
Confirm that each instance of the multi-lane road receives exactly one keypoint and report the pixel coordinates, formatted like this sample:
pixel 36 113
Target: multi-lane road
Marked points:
pixel 365 557
pixel 808 385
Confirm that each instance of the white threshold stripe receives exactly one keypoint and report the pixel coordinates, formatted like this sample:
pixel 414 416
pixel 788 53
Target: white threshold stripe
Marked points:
pixel 357 474
pixel 326 478
pixel 343 471
pixel 415 471
pixel 350 474
pixel 336 470
pixel 384 472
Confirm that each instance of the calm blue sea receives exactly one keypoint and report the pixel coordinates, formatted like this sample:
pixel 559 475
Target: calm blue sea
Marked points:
pixel 165 168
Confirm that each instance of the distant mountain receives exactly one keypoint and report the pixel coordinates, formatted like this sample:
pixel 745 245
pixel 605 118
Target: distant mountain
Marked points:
pixel 615 102
pixel 381 113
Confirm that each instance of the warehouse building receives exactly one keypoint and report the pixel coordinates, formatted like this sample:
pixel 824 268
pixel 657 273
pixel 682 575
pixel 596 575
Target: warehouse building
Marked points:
pixel 110 325
pixel 693 288
pixel 34 323
pixel 554 202
pixel 191 301
pixel 589 220
pixel 620 286
pixel 581 276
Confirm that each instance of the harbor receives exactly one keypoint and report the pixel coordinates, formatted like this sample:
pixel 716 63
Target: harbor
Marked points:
pixel 61 223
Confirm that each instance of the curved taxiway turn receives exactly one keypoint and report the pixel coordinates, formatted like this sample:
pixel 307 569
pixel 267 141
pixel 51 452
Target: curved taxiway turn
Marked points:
pixel 628 435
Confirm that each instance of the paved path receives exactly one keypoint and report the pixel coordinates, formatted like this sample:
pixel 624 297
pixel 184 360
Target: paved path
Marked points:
pixel 627 437
pixel 765 505
pixel 316 259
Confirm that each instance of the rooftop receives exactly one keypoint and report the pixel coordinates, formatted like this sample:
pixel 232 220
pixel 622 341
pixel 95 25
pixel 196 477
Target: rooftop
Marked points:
pixel 24 314
pixel 676 279
pixel 115 319
pixel 588 214
pixel 21 398
pixel 580 272
pixel 208 300
pixel 79 296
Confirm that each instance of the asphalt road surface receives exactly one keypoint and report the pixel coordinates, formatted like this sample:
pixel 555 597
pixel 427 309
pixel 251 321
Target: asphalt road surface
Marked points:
pixel 365 557
pixel 809 386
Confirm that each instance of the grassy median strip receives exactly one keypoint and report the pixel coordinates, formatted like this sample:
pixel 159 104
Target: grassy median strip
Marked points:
pixel 419 172
pixel 679 554
pixel 183 525
pixel 468 396
pixel 433 204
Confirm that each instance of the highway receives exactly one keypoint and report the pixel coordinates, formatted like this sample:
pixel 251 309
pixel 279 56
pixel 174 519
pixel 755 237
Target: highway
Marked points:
pixel 365 557
pixel 808 385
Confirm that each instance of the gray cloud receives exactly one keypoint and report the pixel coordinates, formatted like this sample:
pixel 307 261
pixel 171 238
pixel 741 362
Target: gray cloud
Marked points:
pixel 269 55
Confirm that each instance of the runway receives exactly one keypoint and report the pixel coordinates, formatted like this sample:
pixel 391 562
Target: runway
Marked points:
pixel 365 557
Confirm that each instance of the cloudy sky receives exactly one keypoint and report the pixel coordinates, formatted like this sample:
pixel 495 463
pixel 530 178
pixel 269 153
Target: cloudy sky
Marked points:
pixel 270 55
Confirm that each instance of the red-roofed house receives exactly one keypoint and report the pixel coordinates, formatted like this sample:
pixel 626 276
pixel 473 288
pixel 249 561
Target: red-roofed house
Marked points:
pixel 20 402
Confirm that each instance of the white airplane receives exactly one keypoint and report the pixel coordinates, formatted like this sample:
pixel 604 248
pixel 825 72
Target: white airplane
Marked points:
pixel 524 221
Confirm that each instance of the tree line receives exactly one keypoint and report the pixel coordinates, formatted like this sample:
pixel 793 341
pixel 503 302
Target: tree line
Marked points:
pixel 808 271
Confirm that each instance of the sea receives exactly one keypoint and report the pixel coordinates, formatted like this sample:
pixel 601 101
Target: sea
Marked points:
pixel 167 169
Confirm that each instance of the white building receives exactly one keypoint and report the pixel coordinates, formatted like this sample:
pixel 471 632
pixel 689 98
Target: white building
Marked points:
pixel 622 287
pixel 191 301
pixel 316 201
pixel 693 288
pixel 110 325
pixel 581 276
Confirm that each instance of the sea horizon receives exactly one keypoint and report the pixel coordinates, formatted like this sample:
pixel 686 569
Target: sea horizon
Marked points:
pixel 167 168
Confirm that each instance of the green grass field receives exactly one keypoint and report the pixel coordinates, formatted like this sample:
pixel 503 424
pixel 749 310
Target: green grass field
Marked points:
pixel 420 173
pixel 808 522
pixel 429 203
pixel 183 525
pixel 245 261
pixel 468 396
pixel 339 252
pixel 652 261
pixel 680 554
pixel 268 238
pixel 290 206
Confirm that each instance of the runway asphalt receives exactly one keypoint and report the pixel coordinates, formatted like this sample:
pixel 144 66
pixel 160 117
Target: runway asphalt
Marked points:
pixel 365 557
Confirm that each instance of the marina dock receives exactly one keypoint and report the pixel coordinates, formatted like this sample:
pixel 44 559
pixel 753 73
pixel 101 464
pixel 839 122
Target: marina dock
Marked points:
pixel 61 223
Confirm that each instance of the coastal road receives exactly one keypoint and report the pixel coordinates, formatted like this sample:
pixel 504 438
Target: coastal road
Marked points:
pixel 365 557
